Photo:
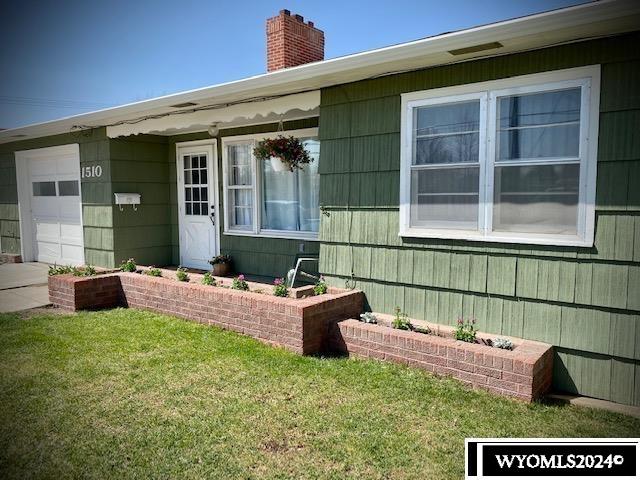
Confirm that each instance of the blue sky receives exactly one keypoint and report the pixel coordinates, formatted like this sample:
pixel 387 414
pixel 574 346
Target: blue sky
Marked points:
pixel 65 57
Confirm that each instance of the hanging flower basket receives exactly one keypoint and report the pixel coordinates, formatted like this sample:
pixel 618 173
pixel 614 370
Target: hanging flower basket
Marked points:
pixel 288 150
pixel 278 165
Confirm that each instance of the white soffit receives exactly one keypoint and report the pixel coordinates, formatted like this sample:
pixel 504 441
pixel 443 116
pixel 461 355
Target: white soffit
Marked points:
pixel 580 22
pixel 289 107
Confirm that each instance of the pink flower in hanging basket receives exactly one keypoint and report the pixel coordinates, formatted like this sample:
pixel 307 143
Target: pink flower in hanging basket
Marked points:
pixel 289 150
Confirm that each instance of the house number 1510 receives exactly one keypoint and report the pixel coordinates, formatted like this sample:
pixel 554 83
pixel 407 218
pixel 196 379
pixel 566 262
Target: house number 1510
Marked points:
pixel 92 172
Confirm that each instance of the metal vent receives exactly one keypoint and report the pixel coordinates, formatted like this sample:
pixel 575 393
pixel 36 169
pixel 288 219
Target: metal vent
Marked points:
pixel 184 105
pixel 476 48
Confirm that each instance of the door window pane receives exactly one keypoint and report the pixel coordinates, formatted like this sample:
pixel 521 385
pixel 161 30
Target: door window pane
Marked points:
pixel 291 199
pixel 445 198
pixel 539 125
pixel 195 175
pixel 536 198
pixel 68 188
pixel 446 133
pixel 44 189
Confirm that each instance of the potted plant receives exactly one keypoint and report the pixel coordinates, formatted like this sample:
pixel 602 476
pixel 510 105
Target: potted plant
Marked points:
pixel 285 153
pixel 221 265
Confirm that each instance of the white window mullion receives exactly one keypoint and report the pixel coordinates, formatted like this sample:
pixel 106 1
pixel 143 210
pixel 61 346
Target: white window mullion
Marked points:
pixel 484 155
pixel 257 191
pixel 491 118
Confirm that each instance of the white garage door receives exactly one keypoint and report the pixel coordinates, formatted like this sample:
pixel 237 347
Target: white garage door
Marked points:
pixel 54 189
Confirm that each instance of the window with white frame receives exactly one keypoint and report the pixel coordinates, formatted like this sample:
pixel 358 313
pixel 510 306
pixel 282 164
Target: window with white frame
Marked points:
pixel 286 203
pixel 506 161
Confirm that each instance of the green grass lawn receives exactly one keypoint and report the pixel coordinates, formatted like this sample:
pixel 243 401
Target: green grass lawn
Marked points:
pixel 126 393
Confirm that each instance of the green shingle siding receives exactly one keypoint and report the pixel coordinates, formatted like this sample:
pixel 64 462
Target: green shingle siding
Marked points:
pixel 140 164
pixel 586 301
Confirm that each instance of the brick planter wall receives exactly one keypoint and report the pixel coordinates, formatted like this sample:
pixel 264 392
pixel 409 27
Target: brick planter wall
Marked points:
pixel 523 373
pixel 85 293
pixel 315 324
pixel 300 325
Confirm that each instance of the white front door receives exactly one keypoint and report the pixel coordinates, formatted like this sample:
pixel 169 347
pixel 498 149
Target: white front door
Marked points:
pixel 197 204
pixel 53 207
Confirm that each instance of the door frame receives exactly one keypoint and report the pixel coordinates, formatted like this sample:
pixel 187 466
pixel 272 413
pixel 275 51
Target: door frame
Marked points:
pixel 211 147
pixel 23 184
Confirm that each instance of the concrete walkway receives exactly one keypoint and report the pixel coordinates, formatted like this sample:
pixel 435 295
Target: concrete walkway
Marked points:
pixel 23 286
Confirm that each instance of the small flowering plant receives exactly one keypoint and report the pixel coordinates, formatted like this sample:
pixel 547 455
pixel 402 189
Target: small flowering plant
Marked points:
pixel 182 275
pixel 128 265
pixel 401 321
pixel 320 288
pixel 153 272
pixel 209 279
pixel 289 150
pixel 239 283
pixel 503 343
pixel 368 317
pixel 466 330
pixel 280 288
pixel 60 269
pixel 220 259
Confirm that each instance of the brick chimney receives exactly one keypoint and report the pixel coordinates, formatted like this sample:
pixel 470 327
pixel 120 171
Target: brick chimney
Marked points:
pixel 291 41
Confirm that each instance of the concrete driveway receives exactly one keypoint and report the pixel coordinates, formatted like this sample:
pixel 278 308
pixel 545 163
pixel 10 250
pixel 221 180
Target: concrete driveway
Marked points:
pixel 23 286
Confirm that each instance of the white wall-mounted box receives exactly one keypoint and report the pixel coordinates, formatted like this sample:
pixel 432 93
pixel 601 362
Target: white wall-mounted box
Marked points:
pixel 127 198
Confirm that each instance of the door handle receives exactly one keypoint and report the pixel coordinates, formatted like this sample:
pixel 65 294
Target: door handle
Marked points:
pixel 212 217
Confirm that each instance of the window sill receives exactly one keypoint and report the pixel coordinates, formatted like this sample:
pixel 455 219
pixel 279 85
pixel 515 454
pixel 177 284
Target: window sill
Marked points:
pixel 523 239
pixel 274 234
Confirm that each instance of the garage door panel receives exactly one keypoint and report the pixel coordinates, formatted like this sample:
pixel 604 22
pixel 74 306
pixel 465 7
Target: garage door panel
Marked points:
pixel 71 234
pixel 39 167
pixel 69 209
pixel 47 231
pixel 72 254
pixel 54 184
pixel 67 164
pixel 45 207
pixel 49 250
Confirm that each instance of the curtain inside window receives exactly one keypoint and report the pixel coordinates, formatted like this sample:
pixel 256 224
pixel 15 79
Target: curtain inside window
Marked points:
pixel 291 199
